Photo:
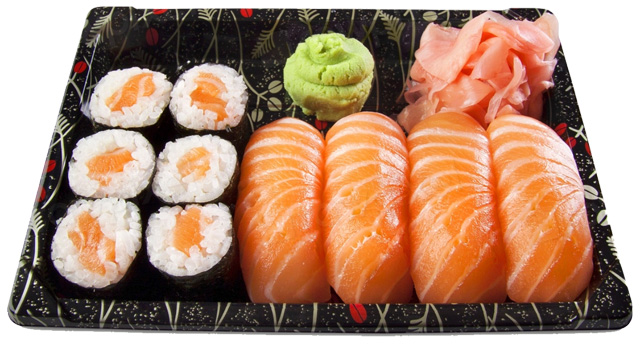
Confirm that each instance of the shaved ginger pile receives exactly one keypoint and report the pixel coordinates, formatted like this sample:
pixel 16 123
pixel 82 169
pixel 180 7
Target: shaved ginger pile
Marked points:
pixel 491 67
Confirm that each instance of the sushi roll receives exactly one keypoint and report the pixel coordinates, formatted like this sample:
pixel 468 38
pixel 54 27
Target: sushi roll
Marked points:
pixel 111 163
pixel 193 247
pixel 130 98
pixel 196 169
pixel 96 242
pixel 211 97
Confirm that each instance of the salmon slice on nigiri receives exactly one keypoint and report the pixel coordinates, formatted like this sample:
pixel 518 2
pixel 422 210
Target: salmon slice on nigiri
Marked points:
pixel 277 215
pixel 542 212
pixel 366 210
pixel 457 254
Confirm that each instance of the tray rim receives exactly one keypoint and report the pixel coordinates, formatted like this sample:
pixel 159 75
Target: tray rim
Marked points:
pixel 574 320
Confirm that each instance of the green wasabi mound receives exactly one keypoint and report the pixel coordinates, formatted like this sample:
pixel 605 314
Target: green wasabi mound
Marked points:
pixel 329 76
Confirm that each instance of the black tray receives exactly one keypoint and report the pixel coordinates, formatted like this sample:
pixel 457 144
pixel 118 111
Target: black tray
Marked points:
pixel 257 42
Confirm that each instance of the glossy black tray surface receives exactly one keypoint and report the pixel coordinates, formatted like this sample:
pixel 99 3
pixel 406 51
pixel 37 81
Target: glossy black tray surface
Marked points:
pixel 257 42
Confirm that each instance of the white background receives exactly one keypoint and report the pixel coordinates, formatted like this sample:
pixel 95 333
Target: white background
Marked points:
pixel 38 43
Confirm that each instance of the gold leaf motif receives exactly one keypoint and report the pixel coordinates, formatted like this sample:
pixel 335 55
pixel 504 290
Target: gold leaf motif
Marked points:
pixel 275 87
pixel 274 104
pixel 430 16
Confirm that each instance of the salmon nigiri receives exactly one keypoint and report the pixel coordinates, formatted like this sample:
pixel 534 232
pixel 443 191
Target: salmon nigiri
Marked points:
pixel 456 244
pixel 277 215
pixel 542 211
pixel 365 214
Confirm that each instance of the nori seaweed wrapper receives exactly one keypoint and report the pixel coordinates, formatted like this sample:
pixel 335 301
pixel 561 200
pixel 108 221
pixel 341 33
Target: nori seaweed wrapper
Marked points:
pixel 221 282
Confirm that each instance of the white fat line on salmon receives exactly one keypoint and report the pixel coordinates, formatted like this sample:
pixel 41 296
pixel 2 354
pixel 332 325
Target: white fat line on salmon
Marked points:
pixel 278 141
pixel 474 166
pixel 350 148
pixel 552 260
pixel 304 163
pixel 521 188
pixel 435 222
pixel 443 259
pixel 564 171
pixel 347 247
pixel 469 268
pixel 490 287
pixel 555 151
pixel 302 132
pixel 340 196
pixel 519 220
pixel 283 265
pixel 530 250
pixel 342 171
pixel 587 249
pixel 346 216
pixel 435 198
pixel 357 131
pixel 533 135
pixel 432 178
pixel 296 173
pixel 385 174
pixel 450 146
pixel 369 271
pixel 399 278
pixel 370 119
pixel 256 220
pixel 312 282
pixel 437 132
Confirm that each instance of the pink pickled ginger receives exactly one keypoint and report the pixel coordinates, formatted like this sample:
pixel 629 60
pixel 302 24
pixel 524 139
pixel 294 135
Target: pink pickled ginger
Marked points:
pixel 491 67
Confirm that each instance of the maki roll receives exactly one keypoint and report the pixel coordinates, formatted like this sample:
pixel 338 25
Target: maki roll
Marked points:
pixel 211 97
pixel 130 98
pixel 97 241
pixel 111 163
pixel 193 248
pixel 196 169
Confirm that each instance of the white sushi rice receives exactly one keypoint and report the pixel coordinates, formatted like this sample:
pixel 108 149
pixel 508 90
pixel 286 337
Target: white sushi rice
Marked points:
pixel 216 240
pixel 170 186
pixel 119 221
pixel 190 116
pixel 145 112
pixel 135 176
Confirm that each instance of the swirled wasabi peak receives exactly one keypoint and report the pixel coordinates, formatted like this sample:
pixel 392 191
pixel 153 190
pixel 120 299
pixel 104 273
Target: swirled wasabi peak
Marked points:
pixel 329 75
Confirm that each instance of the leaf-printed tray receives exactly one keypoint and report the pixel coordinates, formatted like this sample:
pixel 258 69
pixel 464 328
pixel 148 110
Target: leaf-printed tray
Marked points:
pixel 257 42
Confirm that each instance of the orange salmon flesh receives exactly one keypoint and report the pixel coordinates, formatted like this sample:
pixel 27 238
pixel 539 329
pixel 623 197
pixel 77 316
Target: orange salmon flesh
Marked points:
pixel 139 85
pixel 187 230
pixel 365 211
pixel 92 244
pixel 277 217
pixel 206 95
pixel 196 161
pixel 102 166
pixel 456 242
